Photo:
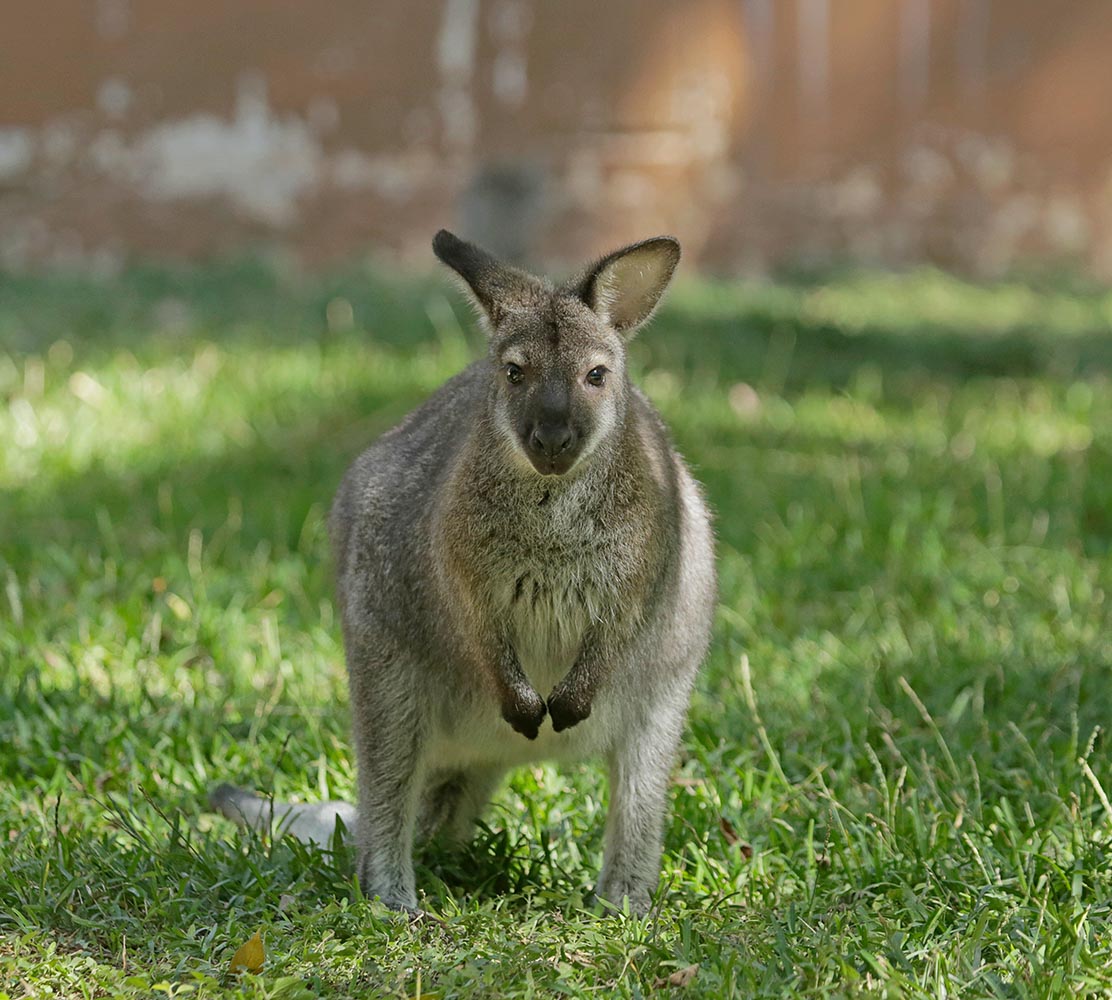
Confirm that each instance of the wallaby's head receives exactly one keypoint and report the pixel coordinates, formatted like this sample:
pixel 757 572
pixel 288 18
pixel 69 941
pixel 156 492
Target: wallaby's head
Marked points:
pixel 557 353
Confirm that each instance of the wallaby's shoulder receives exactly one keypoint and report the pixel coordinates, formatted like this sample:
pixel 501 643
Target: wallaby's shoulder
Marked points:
pixel 392 483
pixel 679 495
pixel 439 423
pixel 423 440
pixel 647 471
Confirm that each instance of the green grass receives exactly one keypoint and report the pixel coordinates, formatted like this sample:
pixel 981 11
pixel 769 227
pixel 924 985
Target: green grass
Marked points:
pixel 913 485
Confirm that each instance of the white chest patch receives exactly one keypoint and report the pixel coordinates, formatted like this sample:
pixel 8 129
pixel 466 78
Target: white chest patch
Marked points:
pixel 549 614
pixel 554 584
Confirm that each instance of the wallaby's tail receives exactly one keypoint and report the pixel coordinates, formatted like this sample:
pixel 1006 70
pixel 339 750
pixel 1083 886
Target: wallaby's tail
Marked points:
pixel 311 823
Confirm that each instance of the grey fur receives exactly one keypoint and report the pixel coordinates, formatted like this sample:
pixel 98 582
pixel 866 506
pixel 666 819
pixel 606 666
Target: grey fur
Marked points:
pixel 311 824
pixel 525 531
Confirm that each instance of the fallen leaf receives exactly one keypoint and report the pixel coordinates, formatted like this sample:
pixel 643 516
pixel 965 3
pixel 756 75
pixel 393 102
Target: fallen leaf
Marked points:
pixel 249 956
pixel 688 782
pixel 681 977
pixel 733 839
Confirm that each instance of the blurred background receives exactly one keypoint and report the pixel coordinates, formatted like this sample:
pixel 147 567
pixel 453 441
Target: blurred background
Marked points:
pixel 971 134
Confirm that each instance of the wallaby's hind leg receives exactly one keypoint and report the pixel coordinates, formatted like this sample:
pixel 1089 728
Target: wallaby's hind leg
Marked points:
pixel 479 785
pixel 438 803
pixel 388 734
pixel 454 801
pixel 640 773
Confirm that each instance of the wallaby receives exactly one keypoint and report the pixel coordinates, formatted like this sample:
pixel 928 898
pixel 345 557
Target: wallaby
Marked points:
pixel 528 529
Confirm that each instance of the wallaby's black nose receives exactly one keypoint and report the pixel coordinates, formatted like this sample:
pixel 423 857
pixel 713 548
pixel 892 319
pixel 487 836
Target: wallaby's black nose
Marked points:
pixel 551 439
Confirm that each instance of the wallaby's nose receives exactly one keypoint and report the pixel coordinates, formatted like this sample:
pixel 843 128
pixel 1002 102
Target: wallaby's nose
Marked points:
pixel 551 439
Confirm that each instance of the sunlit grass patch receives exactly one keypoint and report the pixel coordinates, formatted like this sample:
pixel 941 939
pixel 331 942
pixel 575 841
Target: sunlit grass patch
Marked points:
pixel 894 779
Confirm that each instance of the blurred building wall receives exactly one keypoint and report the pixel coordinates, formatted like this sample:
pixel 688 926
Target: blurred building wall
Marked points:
pixel 976 134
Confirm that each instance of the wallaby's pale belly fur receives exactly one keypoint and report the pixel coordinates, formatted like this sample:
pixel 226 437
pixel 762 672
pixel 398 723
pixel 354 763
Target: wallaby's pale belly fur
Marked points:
pixel 529 529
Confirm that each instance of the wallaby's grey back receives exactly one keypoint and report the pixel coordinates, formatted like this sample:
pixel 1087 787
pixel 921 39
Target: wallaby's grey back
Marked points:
pixel 524 570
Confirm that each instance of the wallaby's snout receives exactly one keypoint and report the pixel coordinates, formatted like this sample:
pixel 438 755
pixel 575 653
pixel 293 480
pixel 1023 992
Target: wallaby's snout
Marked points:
pixel 552 419
pixel 550 442
pixel 549 437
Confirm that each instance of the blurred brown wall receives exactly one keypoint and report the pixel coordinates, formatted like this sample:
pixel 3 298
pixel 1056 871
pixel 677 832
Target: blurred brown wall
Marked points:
pixel 976 134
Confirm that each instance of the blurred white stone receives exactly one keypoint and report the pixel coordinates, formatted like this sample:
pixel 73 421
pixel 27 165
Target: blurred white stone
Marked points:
pixel 114 97
pixel 16 152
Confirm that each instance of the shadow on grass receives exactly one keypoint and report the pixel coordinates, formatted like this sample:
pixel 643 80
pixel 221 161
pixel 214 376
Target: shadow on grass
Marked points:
pixel 740 330
pixel 759 345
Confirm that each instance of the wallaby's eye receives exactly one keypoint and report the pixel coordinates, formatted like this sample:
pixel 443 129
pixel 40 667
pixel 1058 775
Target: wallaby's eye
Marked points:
pixel 596 376
pixel 514 374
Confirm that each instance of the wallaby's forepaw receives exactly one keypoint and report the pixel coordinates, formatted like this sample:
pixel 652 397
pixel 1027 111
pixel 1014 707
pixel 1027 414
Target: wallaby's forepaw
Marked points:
pixel 525 710
pixel 567 707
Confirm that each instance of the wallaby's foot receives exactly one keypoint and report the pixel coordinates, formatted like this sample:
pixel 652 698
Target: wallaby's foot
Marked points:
pixel 393 893
pixel 525 710
pixel 613 897
pixel 567 706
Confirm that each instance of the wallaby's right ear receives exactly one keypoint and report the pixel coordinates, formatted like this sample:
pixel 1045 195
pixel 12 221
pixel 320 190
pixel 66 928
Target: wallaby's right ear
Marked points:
pixel 623 288
pixel 493 285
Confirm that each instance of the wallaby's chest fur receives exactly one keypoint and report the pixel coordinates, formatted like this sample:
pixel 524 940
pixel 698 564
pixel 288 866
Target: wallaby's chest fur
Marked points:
pixel 554 570
pixel 554 558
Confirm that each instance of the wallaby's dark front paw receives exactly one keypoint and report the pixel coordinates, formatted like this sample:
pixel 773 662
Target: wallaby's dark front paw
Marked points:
pixel 567 708
pixel 525 710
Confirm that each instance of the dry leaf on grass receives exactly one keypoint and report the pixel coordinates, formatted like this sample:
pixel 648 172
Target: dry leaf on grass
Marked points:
pixel 249 956
pixel 733 839
pixel 681 977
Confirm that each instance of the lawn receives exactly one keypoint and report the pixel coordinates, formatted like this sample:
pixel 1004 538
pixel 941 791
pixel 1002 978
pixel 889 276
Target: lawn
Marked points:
pixel 894 779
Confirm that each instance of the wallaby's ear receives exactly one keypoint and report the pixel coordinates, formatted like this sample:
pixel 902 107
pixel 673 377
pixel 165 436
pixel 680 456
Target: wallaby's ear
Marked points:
pixel 624 287
pixel 495 286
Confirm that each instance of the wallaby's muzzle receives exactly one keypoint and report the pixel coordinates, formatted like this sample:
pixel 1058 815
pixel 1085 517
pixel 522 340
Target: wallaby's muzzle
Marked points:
pixel 552 448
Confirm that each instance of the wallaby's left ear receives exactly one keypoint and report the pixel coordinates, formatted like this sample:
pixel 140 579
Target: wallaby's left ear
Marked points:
pixel 625 286
pixel 494 286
